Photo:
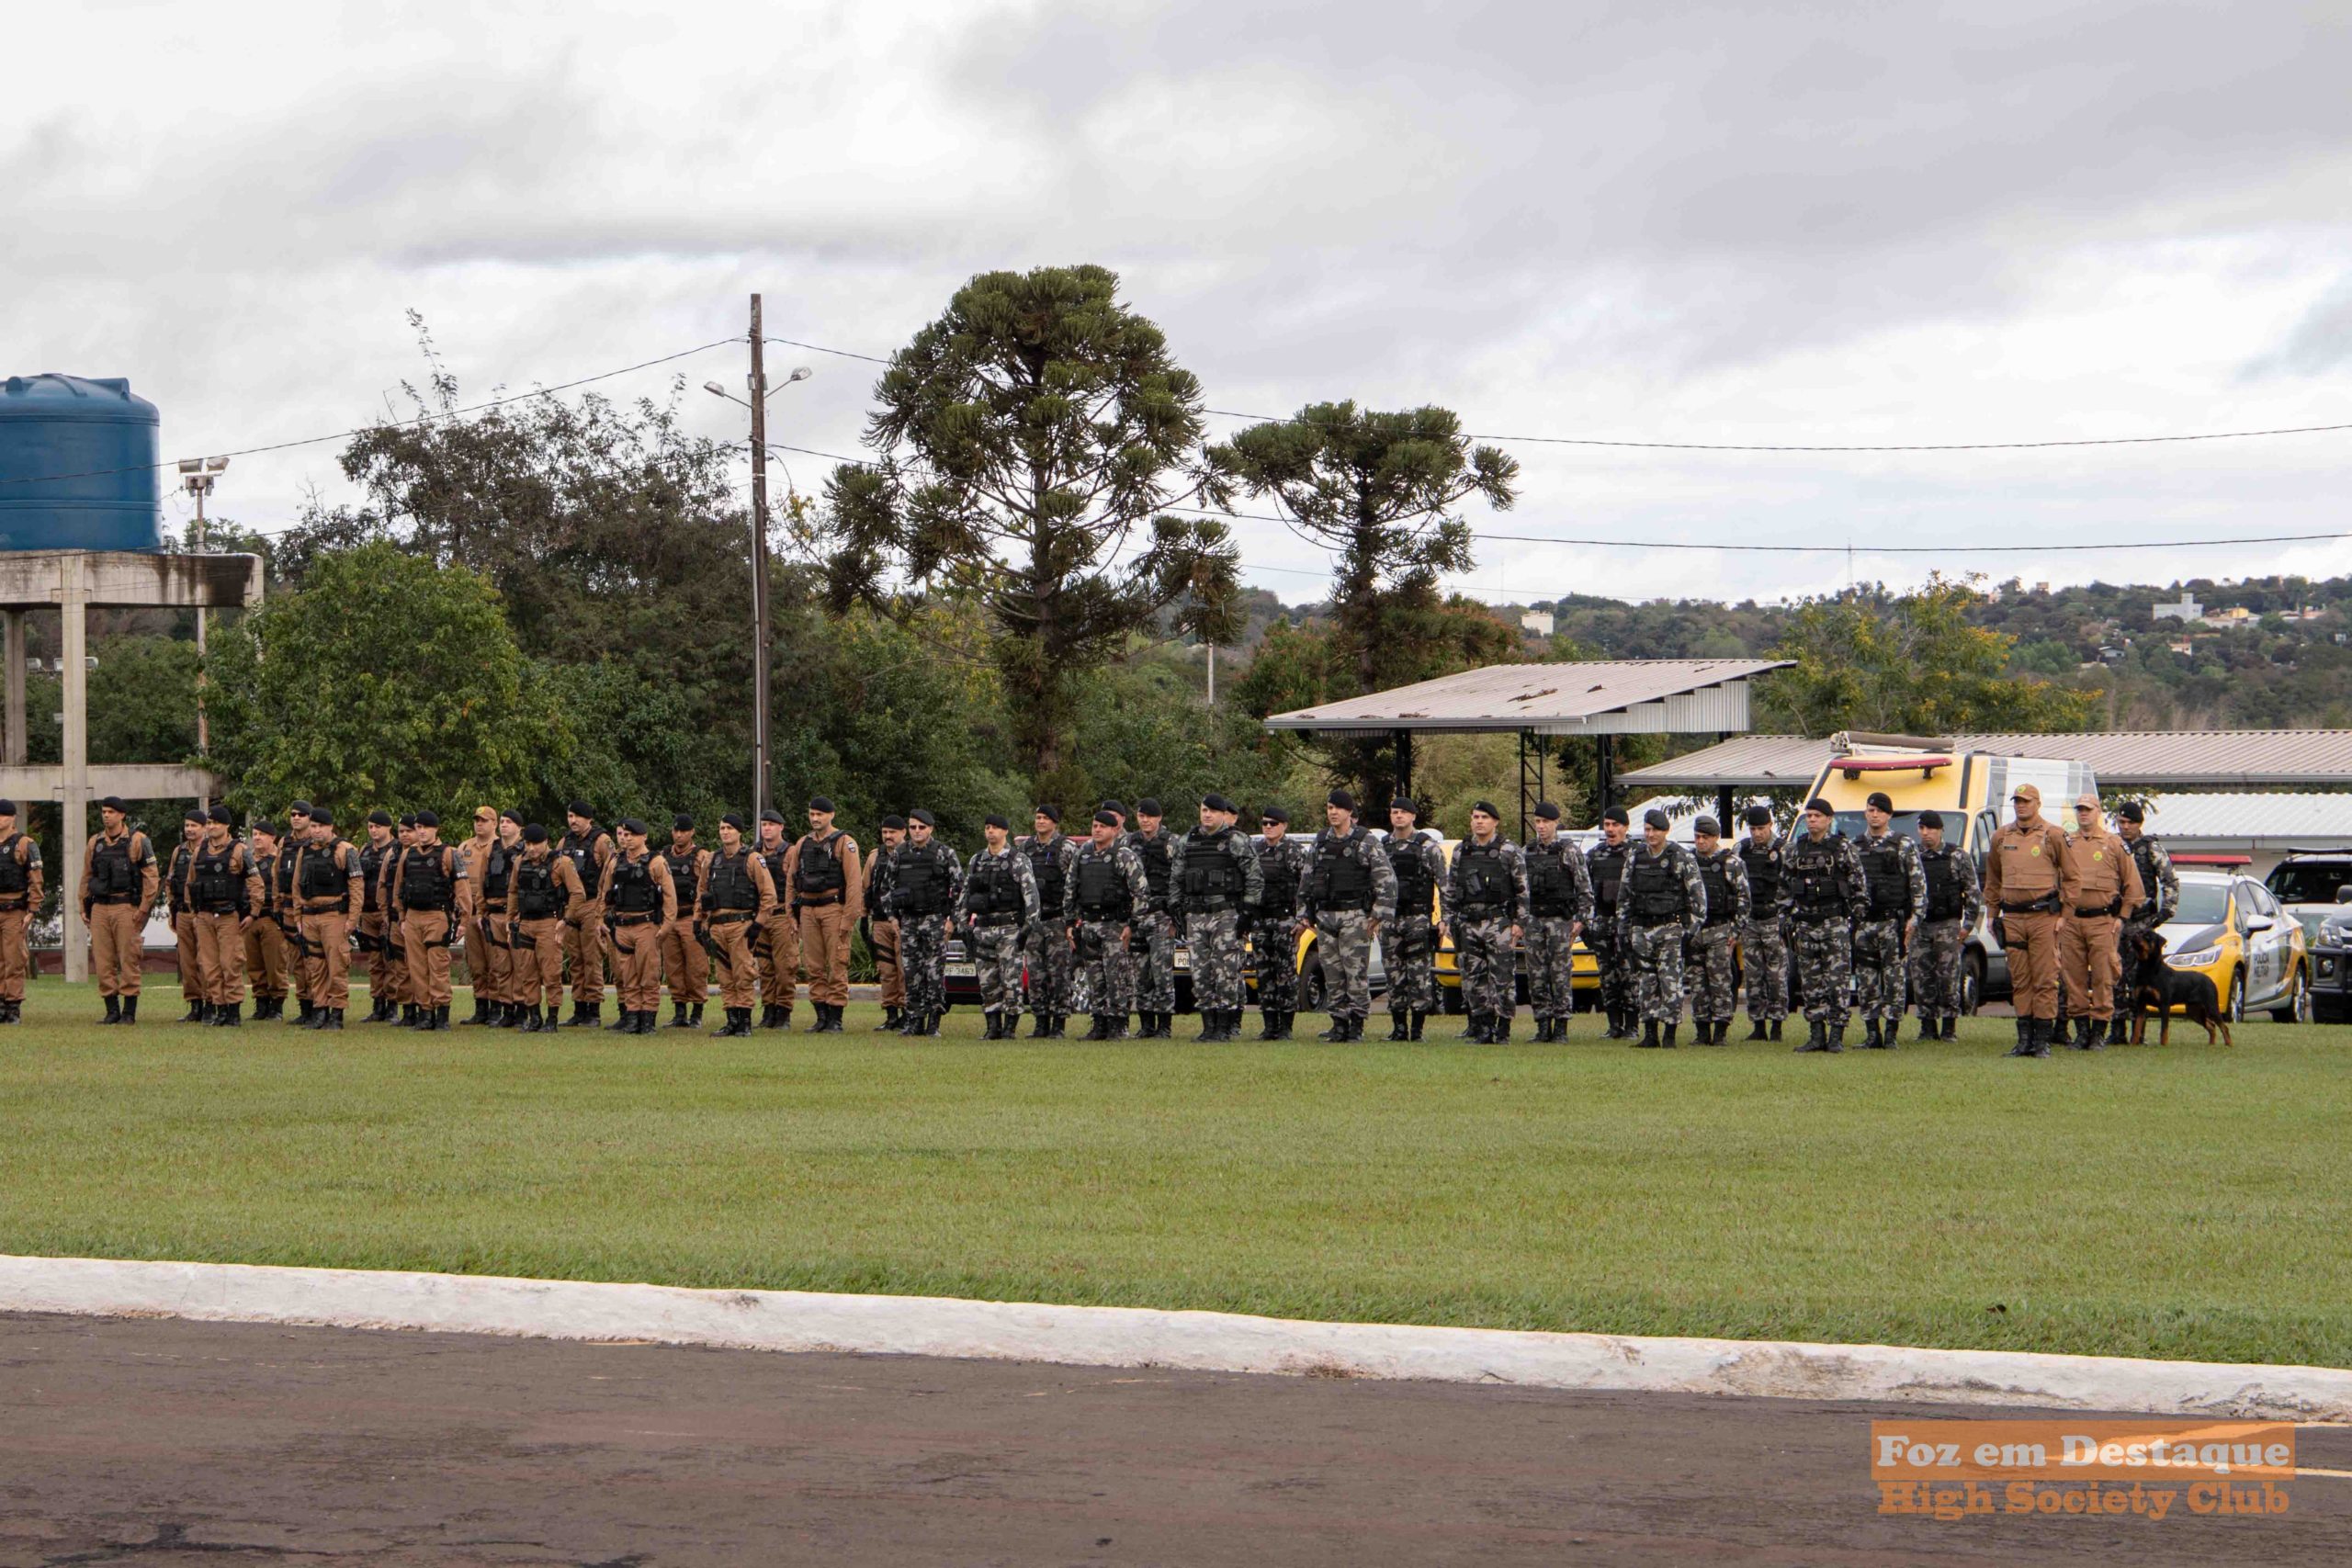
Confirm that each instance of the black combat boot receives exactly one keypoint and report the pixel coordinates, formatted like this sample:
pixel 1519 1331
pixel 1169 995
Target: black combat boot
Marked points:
pixel 528 1022
pixel 1338 1032
pixel 1836 1038
pixel 1499 1028
pixel 334 1019
pixel 2043 1029
pixel 1648 1042
pixel 440 1017
pixel 624 1022
pixel 739 1024
pixel 2094 1036
pixel 1397 1027
pixel 890 1020
pixel 1269 1024
pixel 1951 1029
pixel 678 1018
pixel 910 1023
pixel 1062 1023
pixel 1776 1029
pixel 196 1014
pixel 1665 1037
pixel 1421 1018
pixel 481 1013
pixel 579 1019
pixel 1870 1034
pixel 228 1015
pixel 1816 1038
pixel 114 1010
pixel 817 1022
pixel 1041 1026
pixel 1098 1026
pixel 306 1016
pixel 1926 1027
pixel 2024 1047
pixel 2118 1030
pixel 994 1031
pixel 1758 1028
pixel 513 1015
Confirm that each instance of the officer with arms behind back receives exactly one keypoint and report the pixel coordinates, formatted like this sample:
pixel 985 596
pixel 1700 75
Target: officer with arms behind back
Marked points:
pixel 2107 892
pixel 1821 891
pixel 1216 884
pixel 1662 906
pixel 1273 934
pixel 1408 942
pixel 826 890
pixel 1897 892
pixel 20 893
pixel 1724 876
pixel 543 889
pixel 1107 885
pixel 638 899
pixel 1763 953
pixel 926 886
pixel 2027 880
pixel 1485 901
pixel 1606 863
pixel 1051 854
pixel 999 900
pixel 119 878
pixel 881 930
pixel 1947 916
pixel 1155 929
pixel 1559 907
pixel 735 894
pixel 1350 893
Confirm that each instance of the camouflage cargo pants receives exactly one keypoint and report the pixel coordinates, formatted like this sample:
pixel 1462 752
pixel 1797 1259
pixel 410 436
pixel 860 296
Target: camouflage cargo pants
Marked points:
pixel 1712 975
pixel 1276 946
pixel 1408 952
pixel 1935 954
pixel 923 954
pixel 1764 969
pixel 1551 967
pixel 1108 967
pixel 1878 969
pixel 2128 958
pixel 1215 939
pixel 1824 953
pixel 1343 946
pixel 996 953
pixel 1656 954
pixel 1052 968
pixel 1156 975
pixel 1489 967
pixel 1616 970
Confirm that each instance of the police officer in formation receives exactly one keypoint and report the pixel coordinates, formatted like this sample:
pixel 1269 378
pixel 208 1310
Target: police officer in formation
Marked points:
pixel 1712 972
pixel 1107 889
pixel 999 903
pixel 1890 919
pixel 1350 894
pixel 1281 873
pixel 1763 951
pixel 120 879
pixel 1560 907
pixel 1408 942
pixel 543 890
pixel 1661 908
pixel 1946 915
pixel 2027 880
pixel 1822 894
pixel 1155 929
pixel 20 893
pixel 881 930
pixel 2160 900
pixel 926 887
pixel 176 871
pixel 589 848
pixel 267 934
pixel 1485 901
pixel 686 963
pixel 2105 891
pixel 1051 964
pixel 1606 863
pixel 777 942
pixel 734 895
pixel 1215 887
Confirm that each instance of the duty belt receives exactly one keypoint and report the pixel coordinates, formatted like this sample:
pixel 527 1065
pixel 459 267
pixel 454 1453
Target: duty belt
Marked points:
pixel 729 917
pixel 115 898
pixel 2045 905
pixel 996 920
pixel 648 917
pixel 326 905
pixel 24 901
pixel 1816 915
pixel 816 900
pixel 2098 914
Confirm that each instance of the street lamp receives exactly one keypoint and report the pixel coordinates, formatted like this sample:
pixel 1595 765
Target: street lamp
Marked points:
pixel 756 384
pixel 196 478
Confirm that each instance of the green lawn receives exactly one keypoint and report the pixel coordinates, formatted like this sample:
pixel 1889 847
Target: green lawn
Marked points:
pixel 2184 1202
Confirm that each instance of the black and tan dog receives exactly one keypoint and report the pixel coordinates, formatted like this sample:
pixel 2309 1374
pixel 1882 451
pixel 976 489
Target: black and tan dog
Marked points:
pixel 2159 988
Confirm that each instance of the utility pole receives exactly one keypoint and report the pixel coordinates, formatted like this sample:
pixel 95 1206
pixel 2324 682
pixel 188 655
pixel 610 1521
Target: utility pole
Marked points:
pixel 759 401
pixel 1212 674
pixel 197 476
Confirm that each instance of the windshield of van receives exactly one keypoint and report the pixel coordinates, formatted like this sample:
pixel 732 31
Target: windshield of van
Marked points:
pixel 2202 903
pixel 2310 882
pixel 1903 825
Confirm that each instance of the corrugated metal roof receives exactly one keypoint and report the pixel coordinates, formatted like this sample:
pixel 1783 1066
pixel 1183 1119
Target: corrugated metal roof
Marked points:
pixel 1589 697
pixel 2239 817
pixel 2169 758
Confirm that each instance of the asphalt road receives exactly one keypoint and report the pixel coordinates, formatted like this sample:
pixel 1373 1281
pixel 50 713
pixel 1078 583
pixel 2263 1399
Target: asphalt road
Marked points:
pixel 156 1443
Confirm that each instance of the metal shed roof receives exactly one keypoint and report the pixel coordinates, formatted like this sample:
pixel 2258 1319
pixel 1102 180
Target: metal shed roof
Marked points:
pixel 2258 821
pixel 2167 758
pixel 1626 696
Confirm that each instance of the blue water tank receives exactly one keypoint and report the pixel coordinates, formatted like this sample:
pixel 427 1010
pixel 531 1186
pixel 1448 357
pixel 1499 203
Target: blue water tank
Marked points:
pixel 77 466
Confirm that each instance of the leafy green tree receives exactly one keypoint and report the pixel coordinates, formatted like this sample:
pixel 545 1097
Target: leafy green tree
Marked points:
pixel 1908 665
pixel 385 680
pixel 1033 439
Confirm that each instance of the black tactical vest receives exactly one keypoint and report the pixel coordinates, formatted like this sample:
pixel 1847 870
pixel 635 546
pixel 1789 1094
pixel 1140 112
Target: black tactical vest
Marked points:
pixel 730 886
pixel 1482 882
pixel 633 890
pixel 113 876
pixel 1716 879
pixel 16 877
pixel 1944 883
pixel 1812 866
pixel 821 877
pixel 1278 881
pixel 322 878
pixel 497 869
pixel 1045 866
pixel 1414 882
pixel 1607 862
pixel 215 884
pixel 1550 887
pixel 175 872
pixel 1656 892
pixel 1339 880
pixel 1102 891
pixel 1763 876
pixel 371 871
pixel 538 894
pixel 1158 853
pixel 924 884
pixel 1213 878
pixel 581 850
pixel 990 887
pixel 1882 869
pixel 425 878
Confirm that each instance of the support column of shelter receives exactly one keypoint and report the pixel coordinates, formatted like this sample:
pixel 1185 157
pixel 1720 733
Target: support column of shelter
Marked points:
pixel 15 747
pixel 1404 738
pixel 74 794
pixel 1605 774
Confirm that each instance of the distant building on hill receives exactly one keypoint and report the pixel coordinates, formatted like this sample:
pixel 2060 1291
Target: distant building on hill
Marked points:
pixel 1540 622
pixel 2188 609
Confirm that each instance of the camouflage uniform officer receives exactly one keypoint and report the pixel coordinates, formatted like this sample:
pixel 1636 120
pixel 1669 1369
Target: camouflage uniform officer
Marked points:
pixel 1560 907
pixel 1408 942
pixel 1725 875
pixel 1156 976
pixel 1107 885
pixel 2160 890
pixel 1763 952
pixel 1274 932
pixel 1821 892
pixel 1946 917
pixel 20 892
pixel 926 886
pixel 1051 964
pixel 1883 934
pixel 1350 893
pixel 998 905
pixel 1485 901
pixel 1217 886
pixel 1662 906
pixel 1606 863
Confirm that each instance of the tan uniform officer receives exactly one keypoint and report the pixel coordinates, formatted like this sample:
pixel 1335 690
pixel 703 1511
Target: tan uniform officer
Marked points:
pixel 490 959
pixel 425 898
pixel 119 884
pixel 542 892
pixel 684 963
pixel 289 916
pixel 733 896
pixel 375 865
pixel 638 901
pixel 882 931
pixel 589 848
pixel 778 942
pixel 826 890
pixel 193 822
pixel 400 984
pixel 2107 889
pixel 19 897
pixel 2027 880
pixel 329 888
pixel 265 936
pixel 483 960
pixel 225 895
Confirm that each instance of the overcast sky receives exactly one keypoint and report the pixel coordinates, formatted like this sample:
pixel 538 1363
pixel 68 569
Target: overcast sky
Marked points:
pixel 1842 223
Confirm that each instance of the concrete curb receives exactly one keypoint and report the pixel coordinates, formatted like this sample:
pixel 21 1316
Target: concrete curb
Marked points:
pixel 1132 1336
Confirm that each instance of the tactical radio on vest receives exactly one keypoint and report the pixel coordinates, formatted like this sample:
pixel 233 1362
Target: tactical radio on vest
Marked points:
pixel 217 885
pixel 324 885
pixel 821 876
pixel 1812 867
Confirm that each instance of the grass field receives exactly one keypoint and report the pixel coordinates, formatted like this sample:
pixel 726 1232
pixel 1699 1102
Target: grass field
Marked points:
pixel 2189 1201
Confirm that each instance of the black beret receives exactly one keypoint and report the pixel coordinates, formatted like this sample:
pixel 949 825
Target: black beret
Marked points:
pixel 196 814
pixel 534 834
pixel 1052 813
pixel 1821 803
pixel 681 823
pixel 1931 819
pixel 407 819
pixel 1217 802
pixel 1615 814
pixel 1113 805
pixel 323 816
pixel 922 815
pixel 112 803
pixel 2130 811
pixel 511 815
pixel 300 808
pixel 730 819
pixel 772 814
pixel 993 820
pixel 1273 813
pixel 428 820
pixel 1758 816
pixel 7 809
pixel 631 825
pixel 1342 799
pixel 1147 807
pixel 272 828
pixel 1546 812
pixel 896 823
pixel 381 817
pixel 1107 818
pixel 1486 806
pixel 221 815
pixel 820 802
pixel 1880 801
pixel 1708 826
pixel 1654 818
pixel 580 808
pixel 1405 803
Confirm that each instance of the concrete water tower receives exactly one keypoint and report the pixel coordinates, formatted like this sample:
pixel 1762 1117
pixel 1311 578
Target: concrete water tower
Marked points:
pixel 80 528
